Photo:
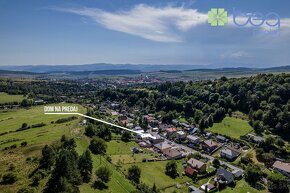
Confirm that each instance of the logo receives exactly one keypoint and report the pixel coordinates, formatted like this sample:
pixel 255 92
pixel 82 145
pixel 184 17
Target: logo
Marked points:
pixel 217 17
pixel 268 23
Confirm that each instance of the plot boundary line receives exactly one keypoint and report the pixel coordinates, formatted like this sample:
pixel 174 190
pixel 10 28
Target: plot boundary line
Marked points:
pixel 99 120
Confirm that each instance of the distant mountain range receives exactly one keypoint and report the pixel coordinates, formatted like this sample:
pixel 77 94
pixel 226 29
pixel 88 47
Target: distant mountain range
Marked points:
pixel 131 68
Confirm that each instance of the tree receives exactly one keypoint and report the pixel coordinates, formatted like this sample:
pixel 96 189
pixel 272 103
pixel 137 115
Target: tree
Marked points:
pixel 98 146
pixel 216 163
pixel 126 136
pixel 9 178
pixel 69 144
pixel 134 174
pixel 48 157
pixel 91 130
pixel 104 132
pixel 26 190
pixel 279 142
pixel 24 125
pixel 253 174
pixel 210 121
pixel 171 169
pixel 26 103
pixel 23 144
pixel 66 176
pixel 86 166
pixel 104 174
pixel 247 159
pixel 268 159
pixel 277 183
pixel 154 188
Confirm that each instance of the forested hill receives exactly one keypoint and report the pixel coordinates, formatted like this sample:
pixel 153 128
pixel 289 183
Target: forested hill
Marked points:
pixel 265 98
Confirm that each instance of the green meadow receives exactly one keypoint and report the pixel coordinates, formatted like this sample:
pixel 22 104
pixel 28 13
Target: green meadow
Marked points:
pixel 154 172
pixel 11 120
pixel 232 127
pixel 25 159
pixel 7 98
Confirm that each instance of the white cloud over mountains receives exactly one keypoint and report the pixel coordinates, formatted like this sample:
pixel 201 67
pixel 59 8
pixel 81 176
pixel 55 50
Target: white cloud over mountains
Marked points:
pixel 156 24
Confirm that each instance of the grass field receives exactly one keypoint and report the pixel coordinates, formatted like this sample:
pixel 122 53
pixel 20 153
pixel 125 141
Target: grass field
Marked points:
pixel 12 120
pixel 154 172
pixel 38 137
pixel 242 187
pixel 6 98
pixel 232 127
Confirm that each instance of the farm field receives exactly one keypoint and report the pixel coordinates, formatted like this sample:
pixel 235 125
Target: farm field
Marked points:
pixel 7 98
pixel 232 127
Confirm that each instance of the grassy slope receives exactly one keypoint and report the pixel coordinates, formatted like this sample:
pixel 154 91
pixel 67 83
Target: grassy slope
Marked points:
pixel 12 119
pixel 36 138
pixel 118 182
pixel 6 98
pixel 232 127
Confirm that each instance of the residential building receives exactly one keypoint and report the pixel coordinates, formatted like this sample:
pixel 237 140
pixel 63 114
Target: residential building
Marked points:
pixel 192 189
pixel 223 176
pixel 156 138
pixel 209 145
pixel 221 138
pixel 230 153
pixel 282 167
pixel 162 146
pixel 199 166
pixel 170 130
pixel 193 139
pixel 207 187
pixel 181 135
pixel 189 171
pixel 193 130
pixel 237 173
pixel 171 153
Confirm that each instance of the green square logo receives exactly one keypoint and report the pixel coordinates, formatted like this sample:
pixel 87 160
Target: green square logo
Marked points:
pixel 217 17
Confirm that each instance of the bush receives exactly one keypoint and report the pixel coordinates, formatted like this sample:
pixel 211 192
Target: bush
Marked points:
pixel 26 190
pixel 9 178
pixel 38 125
pixel 63 120
pixel 23 144
pixel 12 167
pixel 13 146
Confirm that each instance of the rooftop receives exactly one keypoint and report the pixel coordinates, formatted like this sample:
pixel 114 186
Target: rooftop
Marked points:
pixel 195 163
pixel 282 166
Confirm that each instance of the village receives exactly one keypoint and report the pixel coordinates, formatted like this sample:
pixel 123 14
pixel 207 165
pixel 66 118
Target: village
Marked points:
pixel 207 154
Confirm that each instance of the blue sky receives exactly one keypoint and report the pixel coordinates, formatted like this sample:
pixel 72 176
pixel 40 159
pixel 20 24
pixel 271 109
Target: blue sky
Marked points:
pixel 141 32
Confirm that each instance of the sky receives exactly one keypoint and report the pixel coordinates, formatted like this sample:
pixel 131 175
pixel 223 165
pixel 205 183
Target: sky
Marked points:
pixel 39 32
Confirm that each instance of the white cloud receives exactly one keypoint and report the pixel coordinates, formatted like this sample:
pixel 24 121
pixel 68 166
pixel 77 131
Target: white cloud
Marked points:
pixel 165 24
pixel 157 24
